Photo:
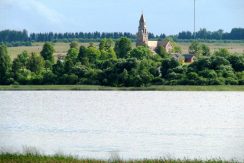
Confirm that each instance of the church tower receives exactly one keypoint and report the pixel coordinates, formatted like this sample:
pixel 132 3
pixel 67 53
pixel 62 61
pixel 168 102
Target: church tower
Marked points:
pixel 142 35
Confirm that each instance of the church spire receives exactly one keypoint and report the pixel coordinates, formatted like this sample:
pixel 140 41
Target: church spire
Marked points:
pixel 142 35
pixel 142 20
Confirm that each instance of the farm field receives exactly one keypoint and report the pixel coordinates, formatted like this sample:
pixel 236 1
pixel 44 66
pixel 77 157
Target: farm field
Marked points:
pixel 232 47
pixel 62 48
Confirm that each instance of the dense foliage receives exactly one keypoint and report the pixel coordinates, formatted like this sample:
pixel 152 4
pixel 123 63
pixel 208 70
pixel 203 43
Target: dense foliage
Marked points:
pixel 12 35
pixel 15 38
pixel 235 34
pixel 5 65
pixel 118 64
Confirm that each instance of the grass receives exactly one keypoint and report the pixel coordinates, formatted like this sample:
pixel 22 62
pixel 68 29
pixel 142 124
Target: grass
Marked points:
pixel 62 48
pixel 28 157
pixel 106 88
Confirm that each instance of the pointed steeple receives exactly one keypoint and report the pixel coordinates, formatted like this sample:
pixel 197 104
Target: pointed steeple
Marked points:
pixel 142 35
pixel 142 20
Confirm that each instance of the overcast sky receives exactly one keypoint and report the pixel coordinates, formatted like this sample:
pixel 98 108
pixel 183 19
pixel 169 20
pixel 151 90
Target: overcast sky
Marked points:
pixel 162 16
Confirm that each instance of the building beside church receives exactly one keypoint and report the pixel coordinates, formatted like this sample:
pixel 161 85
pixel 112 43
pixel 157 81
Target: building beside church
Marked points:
pixel 142 38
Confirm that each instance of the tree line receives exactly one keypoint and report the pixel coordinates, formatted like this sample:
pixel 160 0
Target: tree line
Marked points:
pixel 7 36
pixel 118 64
pixel 234 34
pixel 12 36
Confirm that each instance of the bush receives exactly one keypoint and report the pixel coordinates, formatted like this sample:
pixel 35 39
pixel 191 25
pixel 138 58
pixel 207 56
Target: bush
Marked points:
pixel 158 81
pixel 231 81
pixel 217 81
pixel 49 77
pixel 69 79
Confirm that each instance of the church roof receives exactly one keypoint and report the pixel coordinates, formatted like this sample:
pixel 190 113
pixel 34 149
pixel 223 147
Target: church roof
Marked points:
pixel 163 43
pixel 166 42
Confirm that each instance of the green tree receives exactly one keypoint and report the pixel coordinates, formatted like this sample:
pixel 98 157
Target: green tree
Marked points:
pixel 74 45
pixel 105 44
pixel 122 47
pixel 20 62
pixel 231 81
pixel 108 54
pixel 5 65
pixel 82 56
pixel 205 50
pixel 237 62
pixel 208 74
pixel 79 70
pixel 59 68
pixel 193 78
pixel 222 53
pixel 72 55
pixel 49 77
pixel 160 50
pixel 240 76
pixel 47 52
pixel 69 79
pixel 93 54
pixel 48 65
pixel 218 61
pixel 36 63
pixel 24 76
pixel 195 48
pixel 106 49
pixel 201 64
pixel 140 52
pixel 167 65
pixel 71 59
pixel 177 49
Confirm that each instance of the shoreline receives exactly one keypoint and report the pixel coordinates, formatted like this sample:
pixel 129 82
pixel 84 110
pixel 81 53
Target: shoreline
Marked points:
pixel 238 88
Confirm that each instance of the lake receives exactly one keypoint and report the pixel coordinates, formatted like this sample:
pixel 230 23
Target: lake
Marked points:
pixel 136 124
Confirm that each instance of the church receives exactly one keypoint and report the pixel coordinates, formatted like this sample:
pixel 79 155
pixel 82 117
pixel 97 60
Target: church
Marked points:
pixel 142 38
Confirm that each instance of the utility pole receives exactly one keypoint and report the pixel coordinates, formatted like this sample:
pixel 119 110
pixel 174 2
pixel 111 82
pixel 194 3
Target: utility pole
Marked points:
pixel 194 19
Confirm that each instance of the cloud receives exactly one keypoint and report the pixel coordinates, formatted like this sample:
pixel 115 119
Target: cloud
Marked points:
pixel 34 6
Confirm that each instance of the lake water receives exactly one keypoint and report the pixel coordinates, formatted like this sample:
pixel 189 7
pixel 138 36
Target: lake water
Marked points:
pixel 129 124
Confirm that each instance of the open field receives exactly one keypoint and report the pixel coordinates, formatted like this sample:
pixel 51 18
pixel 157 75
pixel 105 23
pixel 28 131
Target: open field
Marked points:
pixel 232 47
pixel 62 48
pixel 23 158
pixel 96 87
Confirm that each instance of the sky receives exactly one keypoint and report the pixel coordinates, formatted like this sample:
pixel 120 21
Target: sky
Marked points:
pixel 162 16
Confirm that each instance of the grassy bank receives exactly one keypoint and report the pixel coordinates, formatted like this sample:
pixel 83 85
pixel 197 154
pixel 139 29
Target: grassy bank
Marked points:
pixel 24 158
pixel 96 87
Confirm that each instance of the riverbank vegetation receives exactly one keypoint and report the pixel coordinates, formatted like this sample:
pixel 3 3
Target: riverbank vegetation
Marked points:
pixel 119 64
pixel 23 158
